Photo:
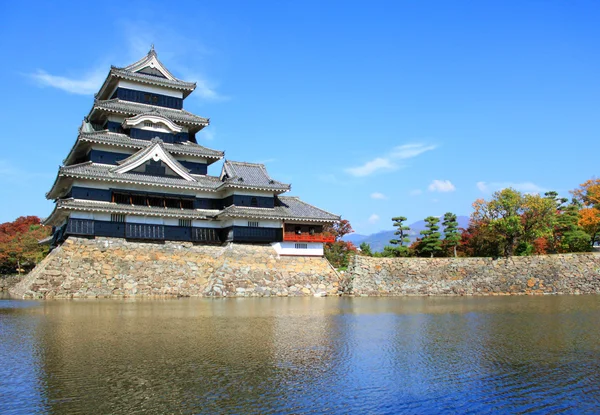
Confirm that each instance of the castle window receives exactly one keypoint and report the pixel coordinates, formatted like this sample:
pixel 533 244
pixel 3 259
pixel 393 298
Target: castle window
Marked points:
pixel 301 246
pixel 185 222
pixel 116 217
pixel 148 124
pixel 252 224
pixel 254 202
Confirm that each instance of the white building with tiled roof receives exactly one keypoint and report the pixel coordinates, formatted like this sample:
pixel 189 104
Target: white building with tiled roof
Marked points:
pixel 136 171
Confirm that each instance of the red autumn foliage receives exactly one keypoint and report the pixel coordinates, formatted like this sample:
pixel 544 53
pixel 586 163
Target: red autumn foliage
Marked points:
pixel 19 248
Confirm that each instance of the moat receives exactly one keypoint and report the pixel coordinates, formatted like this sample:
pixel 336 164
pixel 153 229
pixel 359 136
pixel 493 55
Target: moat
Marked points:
pixel 302 355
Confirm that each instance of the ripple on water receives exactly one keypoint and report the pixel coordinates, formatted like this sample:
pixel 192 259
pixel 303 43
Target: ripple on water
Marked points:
pixel 457 355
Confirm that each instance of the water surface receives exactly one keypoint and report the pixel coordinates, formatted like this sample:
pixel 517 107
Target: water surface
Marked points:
pixel 301 355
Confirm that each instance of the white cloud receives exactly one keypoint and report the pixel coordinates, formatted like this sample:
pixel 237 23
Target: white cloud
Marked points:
pixel 387 163
pixel 416 192
pixel 411 150
pixel 374 218
pixel 371 167
pixel 87 85
pixel 441 186
pixel 177 52
pixel 209 133
pixel 482 186
pixel 525 187
pixel 379 196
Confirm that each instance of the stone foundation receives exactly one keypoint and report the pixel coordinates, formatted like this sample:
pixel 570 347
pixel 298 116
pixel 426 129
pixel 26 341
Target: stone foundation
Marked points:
pixel 109 267
pixel 548 274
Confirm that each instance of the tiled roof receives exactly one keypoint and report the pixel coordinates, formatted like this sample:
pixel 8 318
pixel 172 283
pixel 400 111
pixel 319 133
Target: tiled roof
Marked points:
pixel 94 206
pixel 149 154
pixel 102 172
pixel 151 79
pixel 243 174
pixel 286 208
pixel 122 140
pixel 134 108
pixel 79 205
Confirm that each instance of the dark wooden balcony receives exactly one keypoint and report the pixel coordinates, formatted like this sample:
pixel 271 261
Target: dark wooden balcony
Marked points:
pixel 80 227
pixel 307 237
pixel 144 231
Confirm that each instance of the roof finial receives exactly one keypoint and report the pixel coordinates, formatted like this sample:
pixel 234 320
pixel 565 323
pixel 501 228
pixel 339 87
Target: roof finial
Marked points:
pixel 152 48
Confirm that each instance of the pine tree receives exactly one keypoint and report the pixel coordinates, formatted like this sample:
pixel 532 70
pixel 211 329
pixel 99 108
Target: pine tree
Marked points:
pixel 431 242
pixel 402 235
pixel 451 235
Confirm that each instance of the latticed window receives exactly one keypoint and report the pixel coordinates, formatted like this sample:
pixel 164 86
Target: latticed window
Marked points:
pixel 301 246
pixel 185 222
pixel 187 204
pixel 121 198
pixel 148 124
pixel 117 217
pixel 138 200
pixel 252 224
pixel 156 201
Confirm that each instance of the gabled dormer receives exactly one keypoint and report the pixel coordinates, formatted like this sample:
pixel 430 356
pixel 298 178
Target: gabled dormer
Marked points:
pixel 154 160
pixel 146 81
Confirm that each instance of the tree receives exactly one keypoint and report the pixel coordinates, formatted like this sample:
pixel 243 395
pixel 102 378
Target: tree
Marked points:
pixel 365 249
pixel 402 237
pixel 431 242
pixel 338 253
pixel 590 222
pixel 19 248
pixel 451 234
pixel 515 221
pixel 588 194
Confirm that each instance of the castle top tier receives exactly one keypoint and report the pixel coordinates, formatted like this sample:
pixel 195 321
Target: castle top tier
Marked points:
pixel 148 71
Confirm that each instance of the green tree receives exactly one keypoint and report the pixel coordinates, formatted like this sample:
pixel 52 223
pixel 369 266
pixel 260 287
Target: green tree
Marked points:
pixel 451 234
pixel 365 249
pixel 401 241
pixel 431 242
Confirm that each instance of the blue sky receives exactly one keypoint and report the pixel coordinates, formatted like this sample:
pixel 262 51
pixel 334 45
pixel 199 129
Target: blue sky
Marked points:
pixel 370 109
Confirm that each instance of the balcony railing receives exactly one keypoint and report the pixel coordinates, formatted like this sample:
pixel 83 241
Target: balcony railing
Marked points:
pixel 307 237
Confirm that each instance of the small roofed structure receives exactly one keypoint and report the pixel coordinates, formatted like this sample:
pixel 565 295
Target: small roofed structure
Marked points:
pixel 136 171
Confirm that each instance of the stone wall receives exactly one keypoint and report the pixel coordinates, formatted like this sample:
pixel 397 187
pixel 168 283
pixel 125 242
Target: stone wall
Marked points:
pixel 549 274
pixel 9 281
pixel 108 267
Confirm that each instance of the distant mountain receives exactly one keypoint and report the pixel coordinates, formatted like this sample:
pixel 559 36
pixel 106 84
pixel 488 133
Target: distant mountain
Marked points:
pixel 380 239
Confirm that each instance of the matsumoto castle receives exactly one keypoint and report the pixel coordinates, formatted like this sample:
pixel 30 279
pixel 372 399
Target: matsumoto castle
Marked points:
pixel 136 171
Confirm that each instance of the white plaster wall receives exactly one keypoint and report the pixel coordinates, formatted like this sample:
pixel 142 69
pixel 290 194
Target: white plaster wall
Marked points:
pixel 206 224
pixel 190 158
pixel 289 248
pixel 145 188
pixel 245 192
pixel 90 215
pixel 261 223
pixel 148 88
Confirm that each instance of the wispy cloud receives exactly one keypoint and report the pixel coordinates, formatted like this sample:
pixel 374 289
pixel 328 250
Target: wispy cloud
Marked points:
pixel 374 218
pixel 207 134
pixel 182 55
pixel 372 166
pixel 441 186
pixel 525 187
pixel 390 162
pixel 85 85
pixel 378 196
pixel 407 151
